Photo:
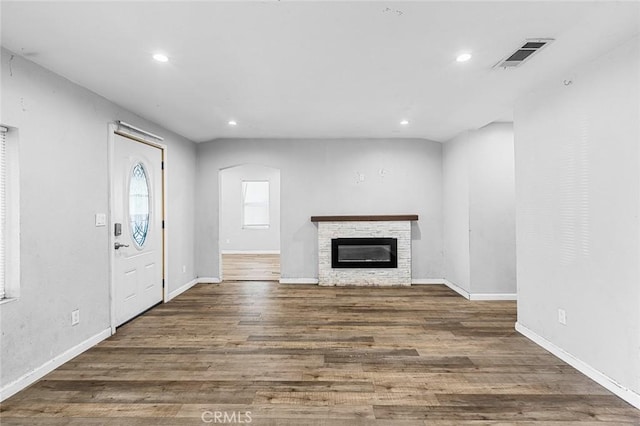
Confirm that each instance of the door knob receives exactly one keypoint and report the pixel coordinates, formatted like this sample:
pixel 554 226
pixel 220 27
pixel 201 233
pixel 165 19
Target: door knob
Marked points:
pixel 117 245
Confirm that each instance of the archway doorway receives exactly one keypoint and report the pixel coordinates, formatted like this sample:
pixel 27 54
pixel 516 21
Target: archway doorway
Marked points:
pixel 249 223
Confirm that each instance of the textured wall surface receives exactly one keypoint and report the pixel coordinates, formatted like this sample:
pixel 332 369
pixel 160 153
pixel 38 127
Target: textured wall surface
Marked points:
pixel 64 183
pixel 578 203
pixel 329 177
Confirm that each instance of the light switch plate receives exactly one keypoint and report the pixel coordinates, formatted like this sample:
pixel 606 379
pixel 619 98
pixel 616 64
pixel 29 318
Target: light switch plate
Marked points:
pixel 101 219
pixel 562 316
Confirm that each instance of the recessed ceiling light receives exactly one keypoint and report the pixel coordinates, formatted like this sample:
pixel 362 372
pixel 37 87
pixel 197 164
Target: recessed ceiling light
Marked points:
pixel 160 57
pixel 232 123
pixel 404 122
pixel 463 57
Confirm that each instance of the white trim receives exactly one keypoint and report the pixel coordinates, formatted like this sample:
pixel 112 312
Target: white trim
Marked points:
pixel 472 296
pixel 13 219
pixel 250 251
pixel 209 280
pixel 181 290
pixel 427 281
pixel 139 130
pixel 298 281
pixel 627 394
pixel 219 241
pixel 6 300
pixel 165 218
pixel 493 296
pixel 46 368
pixel 457 289
pixel 112 127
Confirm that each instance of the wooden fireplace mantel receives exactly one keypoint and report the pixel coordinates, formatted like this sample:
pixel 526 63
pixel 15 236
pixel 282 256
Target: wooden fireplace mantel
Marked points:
pixel 374 218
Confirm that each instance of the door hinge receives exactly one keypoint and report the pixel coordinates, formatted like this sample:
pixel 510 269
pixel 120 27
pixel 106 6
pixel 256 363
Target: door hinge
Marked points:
pixel 163 283
pixel 163 224
pixel 162 165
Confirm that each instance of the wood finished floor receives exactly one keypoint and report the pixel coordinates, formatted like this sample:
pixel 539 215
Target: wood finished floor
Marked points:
pixel 309 355
pixel 251 267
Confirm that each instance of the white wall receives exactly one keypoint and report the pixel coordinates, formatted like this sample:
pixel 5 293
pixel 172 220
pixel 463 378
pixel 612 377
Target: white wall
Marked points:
pixel 320 177
pixel 64 183
pixel 479 210
pixel 578 206
pixel 455 208
pixel 233 236
pixel 492 210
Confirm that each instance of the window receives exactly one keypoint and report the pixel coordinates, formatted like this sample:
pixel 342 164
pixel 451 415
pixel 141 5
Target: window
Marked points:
pixel 9 216
pixel 255 204
pixel 139 205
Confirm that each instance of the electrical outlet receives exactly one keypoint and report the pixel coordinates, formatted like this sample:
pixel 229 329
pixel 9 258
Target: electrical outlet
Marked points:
pixel 184 268
pixel 75 317
pixel 562 317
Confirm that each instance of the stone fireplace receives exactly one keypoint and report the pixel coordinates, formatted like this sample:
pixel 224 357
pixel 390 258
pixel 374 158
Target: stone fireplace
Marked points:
pixel 364 250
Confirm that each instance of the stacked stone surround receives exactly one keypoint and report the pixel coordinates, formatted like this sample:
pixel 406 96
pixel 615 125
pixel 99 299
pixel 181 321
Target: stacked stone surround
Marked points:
pixel 400 276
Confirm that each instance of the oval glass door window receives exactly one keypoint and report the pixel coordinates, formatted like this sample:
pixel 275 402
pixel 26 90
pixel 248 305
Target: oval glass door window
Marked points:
pixel 139 204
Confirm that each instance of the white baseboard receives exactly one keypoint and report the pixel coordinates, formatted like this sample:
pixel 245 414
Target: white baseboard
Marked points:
pixel 209 280
pixel 474 296
pixel 298 281
pixel 627 394
pixel 182 289
pixel 250 252
pixel 46 368
pixel 457 289
pixel 493 296
pixel 427 281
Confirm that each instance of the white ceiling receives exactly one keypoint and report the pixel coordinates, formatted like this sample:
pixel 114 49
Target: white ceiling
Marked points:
pixel 312 69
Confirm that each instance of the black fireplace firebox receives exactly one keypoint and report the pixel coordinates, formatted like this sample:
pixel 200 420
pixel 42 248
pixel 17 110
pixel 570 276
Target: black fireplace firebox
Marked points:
pixel 364 253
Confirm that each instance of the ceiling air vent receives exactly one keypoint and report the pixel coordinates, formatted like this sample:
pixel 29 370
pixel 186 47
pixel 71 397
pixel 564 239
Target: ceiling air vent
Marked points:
pixel 524 53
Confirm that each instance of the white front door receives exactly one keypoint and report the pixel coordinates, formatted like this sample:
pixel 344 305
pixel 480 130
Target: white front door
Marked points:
pixel 137 219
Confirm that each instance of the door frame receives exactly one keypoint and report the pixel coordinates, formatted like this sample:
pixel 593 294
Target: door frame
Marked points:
pixel 136 135
pixel 221 201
